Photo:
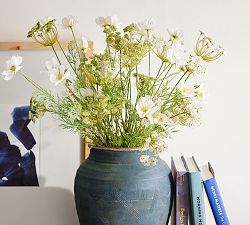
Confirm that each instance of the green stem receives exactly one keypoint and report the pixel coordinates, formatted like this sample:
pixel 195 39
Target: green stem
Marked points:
pixel 157 76
pixel 56 54
pixel 67 58
pixel 179 80
pixel 163 80
pixel 149 62
pixel 178 114
pixel 37 86
pixel 72 31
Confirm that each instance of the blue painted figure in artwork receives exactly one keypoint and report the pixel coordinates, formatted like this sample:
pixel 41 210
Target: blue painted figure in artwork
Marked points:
pixel 15 169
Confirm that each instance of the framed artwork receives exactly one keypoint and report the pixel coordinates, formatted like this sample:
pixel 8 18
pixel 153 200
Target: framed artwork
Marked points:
pixel 19 146
pixel 33 55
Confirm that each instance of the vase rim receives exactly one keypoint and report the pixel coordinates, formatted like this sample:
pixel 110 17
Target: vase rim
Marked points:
pixel 117 149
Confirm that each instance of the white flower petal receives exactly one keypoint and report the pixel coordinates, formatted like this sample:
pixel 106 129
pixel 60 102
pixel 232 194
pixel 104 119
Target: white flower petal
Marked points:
pixel 8 74
pixel 145 25
pixel 69 22
pixel 18 68
pixel 85 43
pixel 17 60
pixel 52 76
pixel 145 106
pixel 58 82
pixel 46 20
pixel 112 20
pixel 66 75
pixel 85 92
pixel 8 64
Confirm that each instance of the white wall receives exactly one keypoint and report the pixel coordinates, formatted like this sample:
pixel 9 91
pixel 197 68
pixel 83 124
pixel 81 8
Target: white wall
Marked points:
pixel 223 138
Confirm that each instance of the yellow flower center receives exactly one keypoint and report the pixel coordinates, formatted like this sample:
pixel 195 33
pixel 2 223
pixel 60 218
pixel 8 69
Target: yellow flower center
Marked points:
pixel 184 89
pixel 144 109
pixel 59 76
pixel 13 68
pixel 200 95
pixel 161 120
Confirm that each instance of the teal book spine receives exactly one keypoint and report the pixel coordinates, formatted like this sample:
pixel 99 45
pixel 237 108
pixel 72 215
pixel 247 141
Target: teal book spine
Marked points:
pixel 197 204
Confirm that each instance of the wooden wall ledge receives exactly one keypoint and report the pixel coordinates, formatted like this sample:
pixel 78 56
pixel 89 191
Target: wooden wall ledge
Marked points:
pixel 32 46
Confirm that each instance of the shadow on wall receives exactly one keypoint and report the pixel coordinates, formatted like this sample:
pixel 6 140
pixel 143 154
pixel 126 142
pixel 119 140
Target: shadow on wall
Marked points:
pixel 37 206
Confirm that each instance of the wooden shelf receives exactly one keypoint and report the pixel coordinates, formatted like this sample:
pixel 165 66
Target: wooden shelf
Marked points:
pixel 32 46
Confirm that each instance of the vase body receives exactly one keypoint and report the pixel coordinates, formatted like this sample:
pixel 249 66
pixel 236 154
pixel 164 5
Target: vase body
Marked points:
pixel 112 187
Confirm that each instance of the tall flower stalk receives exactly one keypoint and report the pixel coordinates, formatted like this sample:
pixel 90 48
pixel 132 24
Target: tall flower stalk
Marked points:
pixel 110 99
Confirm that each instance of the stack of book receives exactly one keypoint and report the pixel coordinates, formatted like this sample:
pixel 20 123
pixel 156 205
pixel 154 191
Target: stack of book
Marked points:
pixel 189 206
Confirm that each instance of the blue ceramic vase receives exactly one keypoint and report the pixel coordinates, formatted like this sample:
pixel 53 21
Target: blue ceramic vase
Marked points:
pixel 112 187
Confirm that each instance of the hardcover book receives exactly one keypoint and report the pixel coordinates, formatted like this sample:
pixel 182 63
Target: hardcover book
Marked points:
pixel 181 197
pixel 214 196
pixel 197 205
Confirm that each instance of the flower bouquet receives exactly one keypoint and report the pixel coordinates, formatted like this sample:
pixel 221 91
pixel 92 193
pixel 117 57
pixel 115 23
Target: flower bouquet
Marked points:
pixel 117 98
pixel 127 100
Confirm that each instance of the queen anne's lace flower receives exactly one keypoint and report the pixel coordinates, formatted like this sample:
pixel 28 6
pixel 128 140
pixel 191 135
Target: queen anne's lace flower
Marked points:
pixel 206 49
pixel 196 65
pixel 44 32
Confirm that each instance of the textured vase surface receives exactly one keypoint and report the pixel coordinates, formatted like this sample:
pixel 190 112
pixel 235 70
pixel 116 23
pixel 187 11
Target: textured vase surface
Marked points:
pixel 112 187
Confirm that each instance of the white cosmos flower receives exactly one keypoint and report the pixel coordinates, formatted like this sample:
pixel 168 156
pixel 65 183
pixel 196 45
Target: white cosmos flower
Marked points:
pixel 85 92
pixel 112 20
pixel 85 44
pixel 152 118
pixel 145 106
pixel 175 35
pixel 162 119
pixel 13 65
pixel 145 25
pixel 51 64
pixel 100 21
pixel 158 118
pixel 58 75
pixel 187 90
pixel 69 22
pixel 109 20
pixel 177 55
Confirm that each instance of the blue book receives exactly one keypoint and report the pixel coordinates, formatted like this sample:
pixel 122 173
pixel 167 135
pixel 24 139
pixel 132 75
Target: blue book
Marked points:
pixel 214 196
pixel 197 205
